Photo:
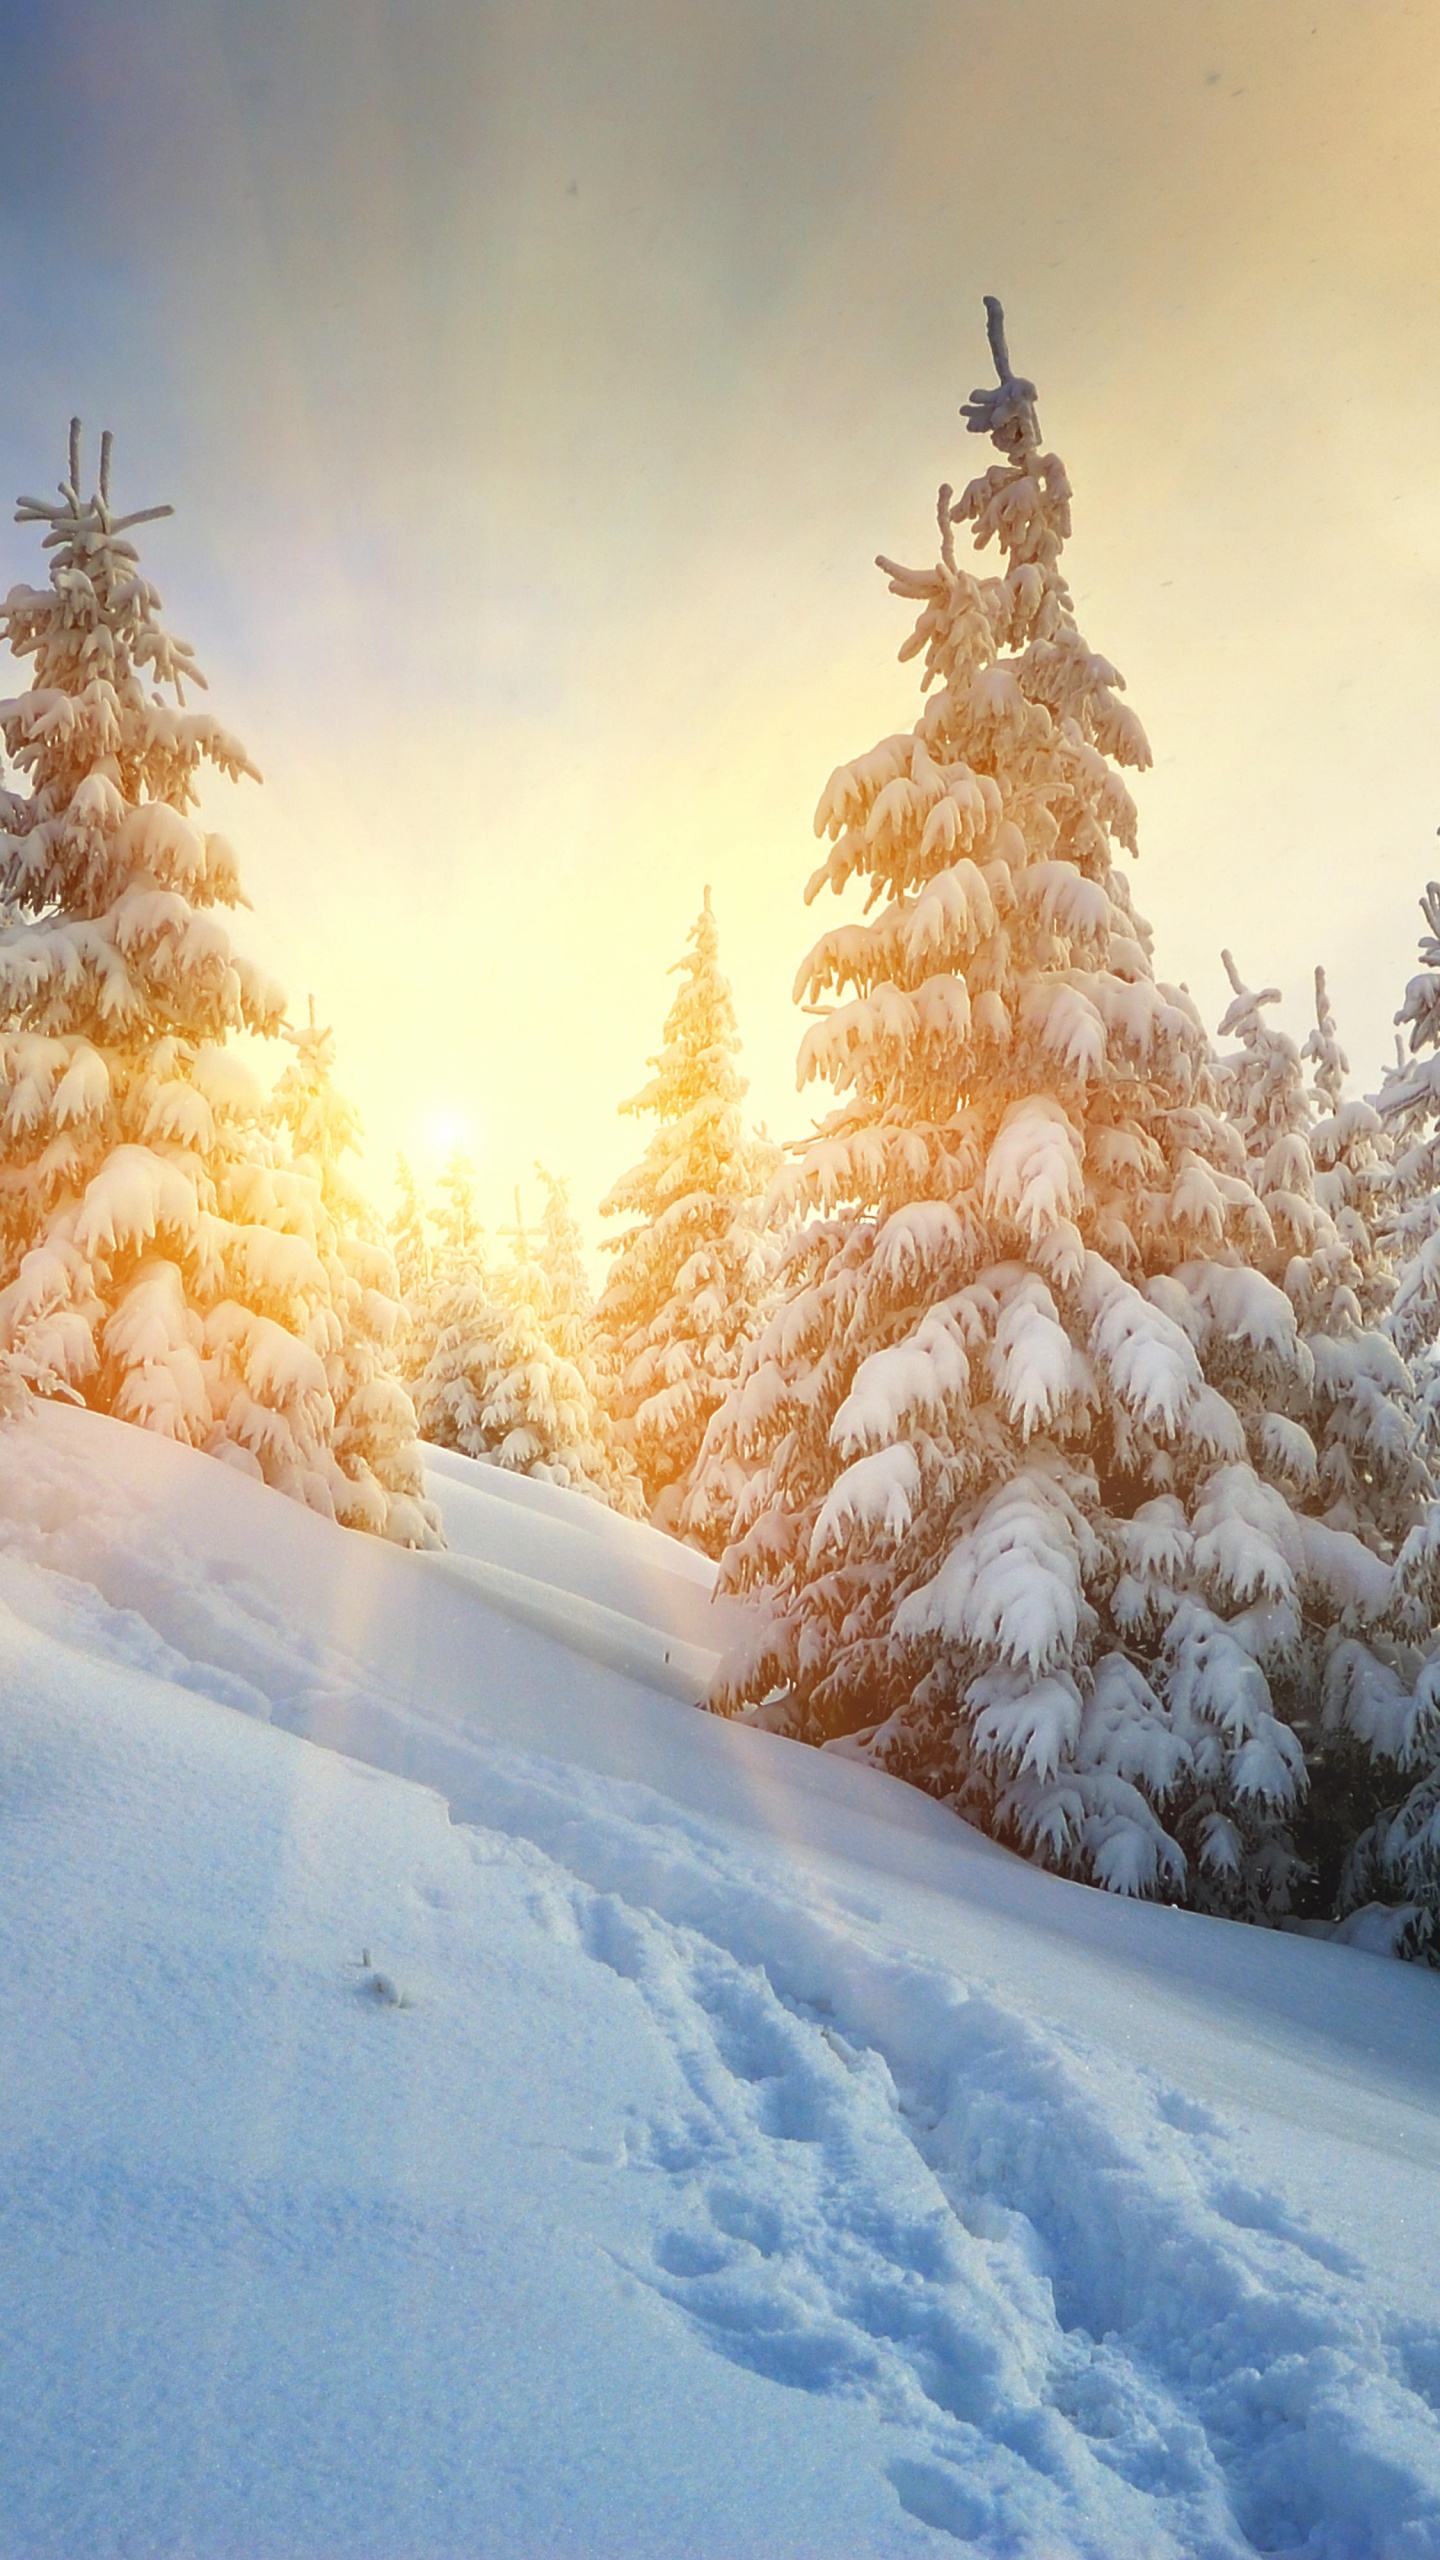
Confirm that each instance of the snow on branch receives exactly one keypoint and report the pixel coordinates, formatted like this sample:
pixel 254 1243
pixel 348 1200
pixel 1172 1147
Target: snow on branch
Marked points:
pixel 1007 414
pixel 41 510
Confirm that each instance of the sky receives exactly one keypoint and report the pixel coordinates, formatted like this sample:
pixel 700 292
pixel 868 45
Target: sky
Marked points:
pixel 536 382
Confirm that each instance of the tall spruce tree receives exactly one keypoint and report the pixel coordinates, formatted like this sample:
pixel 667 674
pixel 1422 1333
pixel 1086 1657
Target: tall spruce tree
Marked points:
pixel 1004 1524
pixel 688 1288
pixel 376 1445
pixel 159 1256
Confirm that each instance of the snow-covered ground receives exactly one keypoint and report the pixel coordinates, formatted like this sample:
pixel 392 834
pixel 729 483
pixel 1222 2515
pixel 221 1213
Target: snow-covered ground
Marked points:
pixel 545 2121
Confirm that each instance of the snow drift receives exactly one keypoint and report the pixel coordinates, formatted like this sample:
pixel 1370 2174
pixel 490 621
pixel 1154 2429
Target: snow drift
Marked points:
pixel 635 2135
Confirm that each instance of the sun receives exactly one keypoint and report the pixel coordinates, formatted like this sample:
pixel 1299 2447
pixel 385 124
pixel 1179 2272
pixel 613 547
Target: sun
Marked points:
pixel 447 1127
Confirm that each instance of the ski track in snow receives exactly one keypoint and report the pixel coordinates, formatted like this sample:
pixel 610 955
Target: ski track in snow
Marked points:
pixel 1043 2270
pixel 1084 2329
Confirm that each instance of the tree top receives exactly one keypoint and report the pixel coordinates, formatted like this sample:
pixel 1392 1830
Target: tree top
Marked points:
pixel 70 508
pixel 1007 413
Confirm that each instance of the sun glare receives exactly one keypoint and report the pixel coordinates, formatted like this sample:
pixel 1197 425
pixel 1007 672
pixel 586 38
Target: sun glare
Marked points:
pixel 445 1128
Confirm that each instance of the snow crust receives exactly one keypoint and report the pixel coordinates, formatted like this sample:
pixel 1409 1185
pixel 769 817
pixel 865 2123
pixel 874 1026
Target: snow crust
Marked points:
pixel 546 2120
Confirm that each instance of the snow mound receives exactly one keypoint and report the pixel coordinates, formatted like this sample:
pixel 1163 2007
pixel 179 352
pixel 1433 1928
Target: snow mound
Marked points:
pixel 641 2136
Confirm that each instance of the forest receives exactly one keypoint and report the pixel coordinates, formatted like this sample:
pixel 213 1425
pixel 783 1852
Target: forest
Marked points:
pixel 1063 1409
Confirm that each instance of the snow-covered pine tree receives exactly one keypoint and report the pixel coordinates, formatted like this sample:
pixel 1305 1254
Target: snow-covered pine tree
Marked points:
pixel 1396 1859
pixel 689 1285
pixel 1263 1086
pixel 410 1237
pixel 1338 1423
pixel 553 1265
pixel 434 1269
pixel 456 1215
pixel 1353 1156
pixel 157 1256
pixel 494 1384
pixel 380 1480
pixel 1409 1106
pixel 409 1233
pixel 1003 1527
pixel 549 1274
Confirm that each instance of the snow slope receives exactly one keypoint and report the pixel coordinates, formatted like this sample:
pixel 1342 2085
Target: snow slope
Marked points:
pixel 639 2136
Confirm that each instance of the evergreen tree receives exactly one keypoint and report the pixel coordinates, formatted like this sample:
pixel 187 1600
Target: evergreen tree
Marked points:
pixel 1409 1106
pixel 688 1289
pixel 555 1271
pixel 410 1237
pixel 1263 1086
pixel 158 1255
pixel 456 1215
pixel 1005 1524
pixel 1339 1427
pixel 380 1481
pixel 434 1270
pixel 1353 1155
pixel 494 1384
pixel 410 1244
pixel 551 1277
pixel 1396 1858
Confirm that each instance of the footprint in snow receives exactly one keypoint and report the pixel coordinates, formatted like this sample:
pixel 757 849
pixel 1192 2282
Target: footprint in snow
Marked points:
pixel 1075 2334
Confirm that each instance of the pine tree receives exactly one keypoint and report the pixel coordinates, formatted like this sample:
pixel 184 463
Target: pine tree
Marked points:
pixel 433 1270
pixel 1339 1429
pixel 1396 1858
pixel 551 1276
pixel 554 1267
pixel 410 1237
pixel 379 1481
pixel 1005 1525
pixel 409 1234
pixel 1409 1106
pixel 691 1274
pixel 158 1256
pixel 1263 1086
pixel 1353 1154
pixel 494 1384
pixel 456 1215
